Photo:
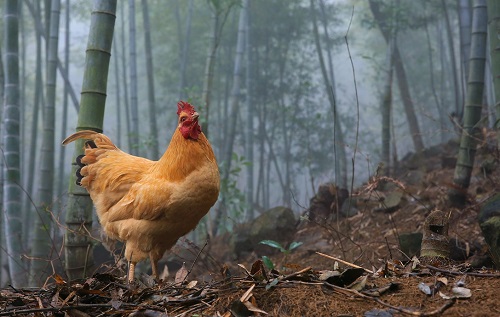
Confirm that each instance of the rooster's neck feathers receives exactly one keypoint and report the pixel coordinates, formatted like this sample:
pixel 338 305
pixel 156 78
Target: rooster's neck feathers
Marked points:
pixel 183 156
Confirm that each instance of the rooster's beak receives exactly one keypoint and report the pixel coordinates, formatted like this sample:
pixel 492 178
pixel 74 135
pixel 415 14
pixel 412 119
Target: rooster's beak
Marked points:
pixel 195 115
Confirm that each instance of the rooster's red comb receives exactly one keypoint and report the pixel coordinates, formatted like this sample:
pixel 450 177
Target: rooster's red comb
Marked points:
pixel 184 106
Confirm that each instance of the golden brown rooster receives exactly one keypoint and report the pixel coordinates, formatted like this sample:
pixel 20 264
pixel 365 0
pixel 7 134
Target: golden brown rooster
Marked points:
pixel 150 204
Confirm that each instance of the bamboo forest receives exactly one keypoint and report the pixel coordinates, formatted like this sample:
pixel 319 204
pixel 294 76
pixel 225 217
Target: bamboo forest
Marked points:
pixel 250 158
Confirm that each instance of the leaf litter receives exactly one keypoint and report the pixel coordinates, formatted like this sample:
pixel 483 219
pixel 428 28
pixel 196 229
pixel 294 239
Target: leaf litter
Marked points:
pixel 379 280
pixel 257 292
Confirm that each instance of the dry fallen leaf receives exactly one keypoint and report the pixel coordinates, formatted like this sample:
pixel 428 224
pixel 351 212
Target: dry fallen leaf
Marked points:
pixel 59 280
pixel 165 273
pixel 251 307
pixel 247 294
pixel 192 284
pixel 457 292
pixel 181 275
pixel 375 292
pixel 326 274
pixel 116 296
pixel 245 269
pixel 359 284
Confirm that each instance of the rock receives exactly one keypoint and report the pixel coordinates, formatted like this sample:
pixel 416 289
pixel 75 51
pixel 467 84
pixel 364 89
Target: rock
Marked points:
pixel 491 232
pixel 349 208
pixel 392 202
pixel 414 177
pixel 324 204
pixel 488 165
pixel 489 221
pixel 448 161
pixel 315 238
pixel 276 224
pixel 490 208
pixel 410 243
pixel 479 261
pixel 458 250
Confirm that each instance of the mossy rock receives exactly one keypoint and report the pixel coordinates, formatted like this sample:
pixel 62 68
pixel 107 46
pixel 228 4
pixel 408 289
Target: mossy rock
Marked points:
pixel 490 208
pixel 491 232
pixel 277 224
pixel 410 243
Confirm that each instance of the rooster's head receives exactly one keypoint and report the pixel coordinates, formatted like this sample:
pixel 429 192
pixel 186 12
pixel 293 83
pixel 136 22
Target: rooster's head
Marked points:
pixel 188 120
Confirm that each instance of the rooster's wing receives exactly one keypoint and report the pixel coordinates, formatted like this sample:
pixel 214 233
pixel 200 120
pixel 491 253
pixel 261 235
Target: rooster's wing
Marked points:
pixel 107 172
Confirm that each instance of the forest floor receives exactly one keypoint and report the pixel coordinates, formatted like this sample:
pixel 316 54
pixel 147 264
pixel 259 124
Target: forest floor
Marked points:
pixel 313 280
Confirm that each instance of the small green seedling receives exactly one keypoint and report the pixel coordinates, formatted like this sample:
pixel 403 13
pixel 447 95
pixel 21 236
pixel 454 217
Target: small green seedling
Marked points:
pixel 267 261
pixel 278 245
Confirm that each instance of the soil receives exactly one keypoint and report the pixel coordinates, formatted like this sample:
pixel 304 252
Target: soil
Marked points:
pixel 317 278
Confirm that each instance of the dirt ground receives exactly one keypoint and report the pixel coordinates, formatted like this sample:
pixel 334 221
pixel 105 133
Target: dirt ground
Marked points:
pixel 306 283
pixel 302 294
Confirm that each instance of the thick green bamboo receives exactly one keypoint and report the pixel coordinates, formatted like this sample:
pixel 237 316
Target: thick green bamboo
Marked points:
pixel 40 268
pixel 153 127
pixel 386 109
pixel 473 106
pixel 249 131
pixel 61 180
pixel 494 36
pixel 78 244
pixel 465 20
pixel 134 101
pixel 128 120
pixel 38 101
pixel 11 139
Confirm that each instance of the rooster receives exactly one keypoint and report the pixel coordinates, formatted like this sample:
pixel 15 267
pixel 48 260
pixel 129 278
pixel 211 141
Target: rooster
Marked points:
pixel 148 204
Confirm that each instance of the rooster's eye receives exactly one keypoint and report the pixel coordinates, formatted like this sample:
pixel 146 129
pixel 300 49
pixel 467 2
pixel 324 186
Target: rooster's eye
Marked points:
pixel 183 119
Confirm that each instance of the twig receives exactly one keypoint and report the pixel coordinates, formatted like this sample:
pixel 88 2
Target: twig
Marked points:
pixel 436 311
pixel 388 247
pixel 431 267
pixel 86 260
pixel 340 237
pixel 247 294
pixel 286 277
pixel 13 312
pixel 344 262
pixel 353 160
pixel 195 260
pixel 185 313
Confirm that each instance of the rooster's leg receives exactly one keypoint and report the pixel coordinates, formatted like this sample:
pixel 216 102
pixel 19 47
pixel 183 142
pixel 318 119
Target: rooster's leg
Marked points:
pixel 131 271
pixel 154 267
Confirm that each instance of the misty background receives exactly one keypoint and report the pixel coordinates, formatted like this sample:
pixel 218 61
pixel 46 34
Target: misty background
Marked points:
pixel 297 99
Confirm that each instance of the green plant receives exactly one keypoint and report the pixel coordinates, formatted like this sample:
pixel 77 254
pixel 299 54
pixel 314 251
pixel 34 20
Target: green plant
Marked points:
pixel 274 244
pixel 268 262
pixel 278 245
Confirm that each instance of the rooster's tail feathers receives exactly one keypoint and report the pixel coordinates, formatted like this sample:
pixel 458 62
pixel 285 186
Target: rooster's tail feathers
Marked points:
pixel 90 144
pixel 85 134
pixel 79 175
pixel 95 145
pixel 95 140
pixel 79 160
